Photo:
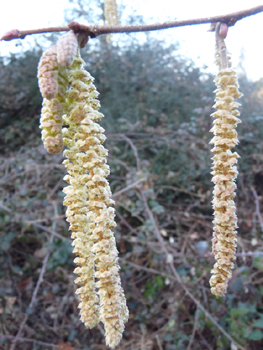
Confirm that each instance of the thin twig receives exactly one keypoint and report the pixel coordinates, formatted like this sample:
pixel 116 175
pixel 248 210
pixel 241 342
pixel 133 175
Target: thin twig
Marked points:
pixel 96 30
pixel 133 147
pixel 180 189
pixel 178 278
pixel 33 299
pixel 194 330
pixel 52 232
pixel 257 208
pixel 147 269
pixel 159 342
pixel 122 218
pixel 116 194
pixel 205 341
pixel 19 217
pixel 27 340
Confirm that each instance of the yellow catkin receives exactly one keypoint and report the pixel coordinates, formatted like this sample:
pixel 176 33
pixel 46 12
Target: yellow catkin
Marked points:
pixel 90 190
pixel 111 15
pixel 48 73
pixel 224 175
pixel 111 12
pixel 76 200
pixel 51 113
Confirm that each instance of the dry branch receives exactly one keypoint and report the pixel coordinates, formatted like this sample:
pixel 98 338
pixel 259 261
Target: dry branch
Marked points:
pixel 94 30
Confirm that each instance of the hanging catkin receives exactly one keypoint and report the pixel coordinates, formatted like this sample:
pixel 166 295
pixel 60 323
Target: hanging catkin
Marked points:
pixel 53 85
pixel 68 90
pixel 89 209
pixel 224 175
pixel 111 15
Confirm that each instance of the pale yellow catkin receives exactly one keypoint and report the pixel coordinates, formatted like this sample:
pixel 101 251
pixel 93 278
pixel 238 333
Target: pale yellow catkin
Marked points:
pixel 89 208
pixel 111 12
pixel 224 175
pixel 111 15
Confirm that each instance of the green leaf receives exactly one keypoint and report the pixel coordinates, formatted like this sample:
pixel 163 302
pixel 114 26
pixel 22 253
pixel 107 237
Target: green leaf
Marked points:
pixel 234 326
pixel 236 312
pixel 258 263
pixel 246 332
pixel 258 323
pixel 256 334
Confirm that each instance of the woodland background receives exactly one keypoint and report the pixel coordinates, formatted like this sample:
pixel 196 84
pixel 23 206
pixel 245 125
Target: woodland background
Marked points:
pixel 157 108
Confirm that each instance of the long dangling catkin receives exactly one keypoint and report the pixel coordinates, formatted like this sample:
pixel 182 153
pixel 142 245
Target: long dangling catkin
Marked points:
pixel 88 170
pixel 76 200
pixel 224 175
pixel 52 110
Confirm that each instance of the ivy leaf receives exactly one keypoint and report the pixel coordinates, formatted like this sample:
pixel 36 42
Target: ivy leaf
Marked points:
pixel 258 323
pixel 256 334
pixel 236 312
pixel 246 332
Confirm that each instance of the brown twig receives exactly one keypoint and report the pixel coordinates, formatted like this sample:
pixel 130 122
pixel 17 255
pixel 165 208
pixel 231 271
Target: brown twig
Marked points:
pixel 133 147
pixel 189 347
pixel 257 207
pixel 158 342
pixel 116 194
pixel 33 299
pixel 95 30
pixel 27 340
pixel 19 217
pixel 204 341
pixel 125 222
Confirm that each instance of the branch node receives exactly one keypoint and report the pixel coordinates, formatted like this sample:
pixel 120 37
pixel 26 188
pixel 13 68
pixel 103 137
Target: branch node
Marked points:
pixel 81 31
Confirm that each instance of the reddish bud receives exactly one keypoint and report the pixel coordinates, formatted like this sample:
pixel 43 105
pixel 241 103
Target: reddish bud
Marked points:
pixel 11 34
pixel 73 25
pixel 223 30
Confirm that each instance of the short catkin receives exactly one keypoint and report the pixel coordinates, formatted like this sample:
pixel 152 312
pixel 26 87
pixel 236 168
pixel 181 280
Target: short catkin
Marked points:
pixel 224 175
pixel 48 73
pixel 67 49
pixel 52 109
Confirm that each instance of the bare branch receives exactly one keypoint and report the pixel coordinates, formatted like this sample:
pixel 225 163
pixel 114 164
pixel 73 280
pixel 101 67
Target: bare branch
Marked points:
pixel 94 30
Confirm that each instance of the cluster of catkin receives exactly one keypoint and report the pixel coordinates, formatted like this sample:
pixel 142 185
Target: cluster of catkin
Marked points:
pixel 70 99
pixel 224 175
